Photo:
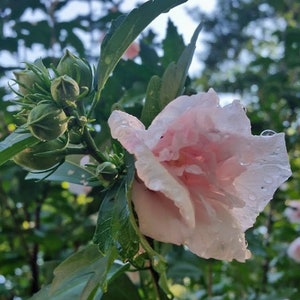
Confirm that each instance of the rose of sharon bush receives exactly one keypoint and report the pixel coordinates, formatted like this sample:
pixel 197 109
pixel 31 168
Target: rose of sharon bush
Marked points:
pixel 203 177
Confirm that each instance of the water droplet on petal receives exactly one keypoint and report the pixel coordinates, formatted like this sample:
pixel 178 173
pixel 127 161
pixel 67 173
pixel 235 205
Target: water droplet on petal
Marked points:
pixel 244 163
pixel 268 180
pixel 268 132
pixel 252 197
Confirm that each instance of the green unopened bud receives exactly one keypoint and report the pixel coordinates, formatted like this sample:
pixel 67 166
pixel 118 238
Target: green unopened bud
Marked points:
pixel 64 90
pixel 47 122
pixel 26 80
pixel 34 75
pixel 32 160
pixel 76 68
pixel 106 172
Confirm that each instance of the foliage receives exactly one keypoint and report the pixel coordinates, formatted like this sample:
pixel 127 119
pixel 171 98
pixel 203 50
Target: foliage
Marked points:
pixel 46 229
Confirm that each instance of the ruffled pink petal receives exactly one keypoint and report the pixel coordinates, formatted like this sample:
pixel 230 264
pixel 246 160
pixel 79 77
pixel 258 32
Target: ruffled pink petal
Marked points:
pixel 257 184
pixel 157 215
pixel 217 234
pixel 157 178
pixel 129 131
pixel 232 119
pixel 175 109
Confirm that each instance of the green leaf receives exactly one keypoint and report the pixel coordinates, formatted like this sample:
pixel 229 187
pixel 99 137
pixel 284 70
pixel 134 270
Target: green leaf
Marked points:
pixel 124 31
pixel 114 229
pixel 161 91
pixel 15 143
pixel 81 276
pixel 173 45
pixel 173 79
pixel 121 288
pixel 68 171
pixel 152 105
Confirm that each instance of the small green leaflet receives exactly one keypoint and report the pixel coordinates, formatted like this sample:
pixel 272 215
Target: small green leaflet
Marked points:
pixel 17 141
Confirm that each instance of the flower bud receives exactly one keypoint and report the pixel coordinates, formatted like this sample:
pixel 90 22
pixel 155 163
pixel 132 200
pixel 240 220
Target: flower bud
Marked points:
pixel 47 122
pixel 106 172
pixel 76 68
pixel 64 90
pixel 26 80
pixel 32 160
pixel 34 75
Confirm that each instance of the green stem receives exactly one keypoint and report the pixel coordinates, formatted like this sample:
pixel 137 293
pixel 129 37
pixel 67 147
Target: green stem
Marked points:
pixel 155 280
pixel 94 103
pixel 91 146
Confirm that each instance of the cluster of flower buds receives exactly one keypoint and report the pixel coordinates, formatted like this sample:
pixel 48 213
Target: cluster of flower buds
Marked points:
pixel 48 99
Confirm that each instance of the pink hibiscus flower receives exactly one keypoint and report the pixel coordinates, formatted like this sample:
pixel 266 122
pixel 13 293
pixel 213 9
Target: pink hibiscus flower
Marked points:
pixel 202 176
pixel 294 250
pixel 292 212
pixel 132 51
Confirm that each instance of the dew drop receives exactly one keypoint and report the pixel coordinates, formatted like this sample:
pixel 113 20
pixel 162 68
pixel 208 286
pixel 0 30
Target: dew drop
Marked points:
pixel 252 197
pixel 268 180
pixel 268 132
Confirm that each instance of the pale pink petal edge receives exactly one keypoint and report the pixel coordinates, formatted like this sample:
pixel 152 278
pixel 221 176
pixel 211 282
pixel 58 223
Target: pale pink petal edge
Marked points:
pixel 131 134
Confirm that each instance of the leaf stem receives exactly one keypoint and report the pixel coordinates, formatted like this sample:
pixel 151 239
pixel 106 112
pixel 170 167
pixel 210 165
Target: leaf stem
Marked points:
pixel 94 102
pixel 91 146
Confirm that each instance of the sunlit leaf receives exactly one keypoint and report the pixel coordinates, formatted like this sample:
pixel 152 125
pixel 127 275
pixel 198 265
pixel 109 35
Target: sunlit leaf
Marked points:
pixel 173 45
pixel 152 106
pixel 175 75
pixel 124 31
pixel 161 91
